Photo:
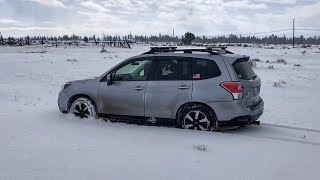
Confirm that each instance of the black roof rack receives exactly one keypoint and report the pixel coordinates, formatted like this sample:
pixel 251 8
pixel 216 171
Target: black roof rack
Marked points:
pixel 210 50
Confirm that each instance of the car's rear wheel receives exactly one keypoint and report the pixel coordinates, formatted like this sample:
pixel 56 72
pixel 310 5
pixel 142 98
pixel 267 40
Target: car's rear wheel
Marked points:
pixel 197 117
pixel 83 108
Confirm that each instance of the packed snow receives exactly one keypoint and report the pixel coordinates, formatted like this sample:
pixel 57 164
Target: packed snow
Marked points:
pixel 37 141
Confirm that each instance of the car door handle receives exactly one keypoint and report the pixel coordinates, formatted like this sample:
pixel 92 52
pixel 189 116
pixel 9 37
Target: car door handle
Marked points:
pixel 183 87
pixel 138 88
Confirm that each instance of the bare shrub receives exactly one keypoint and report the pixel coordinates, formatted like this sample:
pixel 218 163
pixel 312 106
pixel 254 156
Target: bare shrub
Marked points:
pixel 281 61
pixel 41 52
pixel 252 64
pixel 280 83
pixel 270 67
pixel 255 60
pixel 200 147
pixel 103 50
pixel 72 60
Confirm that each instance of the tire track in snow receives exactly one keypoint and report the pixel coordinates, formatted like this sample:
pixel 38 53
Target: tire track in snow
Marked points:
pixel 292 127
pixel 287 140
pixel 280 133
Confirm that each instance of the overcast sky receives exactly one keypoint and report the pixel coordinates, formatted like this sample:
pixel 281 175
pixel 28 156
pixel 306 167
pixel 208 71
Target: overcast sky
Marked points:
pixel 120 17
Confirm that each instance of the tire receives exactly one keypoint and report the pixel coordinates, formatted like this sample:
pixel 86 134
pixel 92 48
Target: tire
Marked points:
pixel 196 117
pixel 83 108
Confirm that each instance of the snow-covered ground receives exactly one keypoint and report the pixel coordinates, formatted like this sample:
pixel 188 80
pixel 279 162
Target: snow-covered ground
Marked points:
pixel 39 142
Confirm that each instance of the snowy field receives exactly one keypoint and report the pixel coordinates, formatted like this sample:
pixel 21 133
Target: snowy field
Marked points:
pixel 39 142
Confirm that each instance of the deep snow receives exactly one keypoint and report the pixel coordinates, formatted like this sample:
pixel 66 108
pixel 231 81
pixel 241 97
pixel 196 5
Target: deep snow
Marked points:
pixel 38 142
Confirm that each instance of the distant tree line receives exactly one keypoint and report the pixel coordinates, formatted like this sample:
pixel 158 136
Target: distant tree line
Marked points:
pixel 272 39
pixel 186 39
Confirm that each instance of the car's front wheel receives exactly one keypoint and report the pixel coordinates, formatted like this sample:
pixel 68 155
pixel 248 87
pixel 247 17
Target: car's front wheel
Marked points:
pixel 83 108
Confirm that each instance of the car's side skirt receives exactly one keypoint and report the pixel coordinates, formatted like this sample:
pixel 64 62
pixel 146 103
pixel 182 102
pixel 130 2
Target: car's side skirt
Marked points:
pixel 138 119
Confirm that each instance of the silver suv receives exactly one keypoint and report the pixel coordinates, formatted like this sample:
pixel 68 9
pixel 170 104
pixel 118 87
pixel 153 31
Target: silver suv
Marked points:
pixel 201 89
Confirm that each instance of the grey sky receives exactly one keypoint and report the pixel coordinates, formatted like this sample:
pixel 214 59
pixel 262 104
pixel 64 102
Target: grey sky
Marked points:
pixel 119 17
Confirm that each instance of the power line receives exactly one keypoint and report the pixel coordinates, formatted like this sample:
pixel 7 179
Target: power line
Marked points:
pixel 282 30
pixel 266 32
pixel 308 29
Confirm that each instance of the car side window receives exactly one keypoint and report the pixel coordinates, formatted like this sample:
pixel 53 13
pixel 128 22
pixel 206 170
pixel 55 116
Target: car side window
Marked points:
pixel 172 68
pixel 136 70
pixel 204 69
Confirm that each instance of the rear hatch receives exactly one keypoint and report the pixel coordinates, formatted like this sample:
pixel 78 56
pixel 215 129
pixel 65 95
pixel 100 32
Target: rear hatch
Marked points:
pixel 250 81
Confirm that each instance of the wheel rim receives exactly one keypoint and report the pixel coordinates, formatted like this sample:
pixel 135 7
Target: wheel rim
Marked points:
pixel 196 120
pixel 81 109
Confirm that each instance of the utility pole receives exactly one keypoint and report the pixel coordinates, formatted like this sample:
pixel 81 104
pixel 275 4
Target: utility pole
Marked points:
pixel 293 29
pixel 174 40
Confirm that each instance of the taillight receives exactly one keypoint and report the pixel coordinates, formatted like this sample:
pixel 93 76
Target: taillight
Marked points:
pixel 235 88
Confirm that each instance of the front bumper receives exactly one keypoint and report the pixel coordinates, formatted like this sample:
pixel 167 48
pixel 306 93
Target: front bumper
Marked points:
pixel 63 102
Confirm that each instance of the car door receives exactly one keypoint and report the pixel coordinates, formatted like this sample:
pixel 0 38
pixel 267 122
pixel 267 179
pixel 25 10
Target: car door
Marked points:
pixel 169 87
pixel 125 96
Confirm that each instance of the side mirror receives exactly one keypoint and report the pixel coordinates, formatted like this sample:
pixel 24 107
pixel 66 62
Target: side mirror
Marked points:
pixel 109 79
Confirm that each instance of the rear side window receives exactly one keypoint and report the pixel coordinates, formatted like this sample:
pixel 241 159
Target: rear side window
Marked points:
pixel 244 70
pixel 172 68
pixel 204 69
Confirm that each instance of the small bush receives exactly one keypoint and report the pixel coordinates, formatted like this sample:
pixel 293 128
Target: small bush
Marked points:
pixel 41 52
pixel 270 67
pixel 280 83
pixel 252 64
pixel 282 61
pixel 306 46
pixel 103 50
pixel 255 60
pixel 200 147
pixel 72 60
pixel 304 52
pixel 297 65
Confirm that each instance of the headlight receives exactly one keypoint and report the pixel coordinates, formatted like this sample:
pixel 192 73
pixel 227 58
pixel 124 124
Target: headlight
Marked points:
pixel 65 85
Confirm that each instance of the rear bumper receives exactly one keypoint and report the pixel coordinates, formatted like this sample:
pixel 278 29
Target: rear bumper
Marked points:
pixel 234 113
pixel 241 121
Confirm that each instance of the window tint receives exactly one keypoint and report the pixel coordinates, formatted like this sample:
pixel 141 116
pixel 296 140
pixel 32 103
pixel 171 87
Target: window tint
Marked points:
pixel 244 70
pixel 204 69
pixel 172 68
pixel 133 71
